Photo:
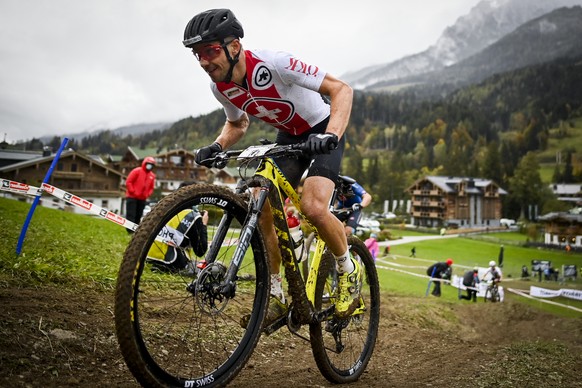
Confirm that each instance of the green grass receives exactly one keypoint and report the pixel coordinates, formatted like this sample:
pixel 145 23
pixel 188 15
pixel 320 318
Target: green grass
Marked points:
pixel 529 364
pixel 401 232
pixel 572 140
pixel 60 247
pixel 467 253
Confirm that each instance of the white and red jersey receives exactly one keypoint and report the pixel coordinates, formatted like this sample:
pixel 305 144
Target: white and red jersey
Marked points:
pixel 282 91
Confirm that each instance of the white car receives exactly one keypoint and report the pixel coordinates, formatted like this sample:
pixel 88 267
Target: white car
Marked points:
pixel 507 222
pixel 368 225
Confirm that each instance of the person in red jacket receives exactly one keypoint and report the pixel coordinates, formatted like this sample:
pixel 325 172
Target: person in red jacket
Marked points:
pixel 140 185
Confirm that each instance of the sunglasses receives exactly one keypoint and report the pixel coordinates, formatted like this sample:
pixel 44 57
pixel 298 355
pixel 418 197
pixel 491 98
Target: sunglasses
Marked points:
pixel 208 53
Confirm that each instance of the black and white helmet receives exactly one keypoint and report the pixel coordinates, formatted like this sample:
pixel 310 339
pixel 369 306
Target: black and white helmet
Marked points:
pixel 212 25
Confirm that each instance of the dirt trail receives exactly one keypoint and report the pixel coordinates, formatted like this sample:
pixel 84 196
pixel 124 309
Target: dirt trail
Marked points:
pixel 58 338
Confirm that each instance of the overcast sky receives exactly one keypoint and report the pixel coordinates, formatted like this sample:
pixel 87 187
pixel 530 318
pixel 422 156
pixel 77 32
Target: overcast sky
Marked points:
pixel 67 66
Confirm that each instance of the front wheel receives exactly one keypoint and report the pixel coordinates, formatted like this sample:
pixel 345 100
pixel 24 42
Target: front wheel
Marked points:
pixel 342 348
pixel 495 297
pixel 181 328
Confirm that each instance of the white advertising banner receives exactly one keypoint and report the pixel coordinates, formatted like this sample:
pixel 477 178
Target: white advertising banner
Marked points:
pixel 545 293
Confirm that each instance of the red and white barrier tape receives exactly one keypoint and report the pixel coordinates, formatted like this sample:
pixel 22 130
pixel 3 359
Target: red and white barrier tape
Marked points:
pixel 23 188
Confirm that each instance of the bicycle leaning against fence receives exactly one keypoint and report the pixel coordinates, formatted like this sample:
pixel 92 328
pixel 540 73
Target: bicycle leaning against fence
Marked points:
pixel 175 330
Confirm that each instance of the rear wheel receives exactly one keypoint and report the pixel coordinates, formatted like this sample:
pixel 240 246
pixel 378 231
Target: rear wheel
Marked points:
pixel 342 348
pixel 180 328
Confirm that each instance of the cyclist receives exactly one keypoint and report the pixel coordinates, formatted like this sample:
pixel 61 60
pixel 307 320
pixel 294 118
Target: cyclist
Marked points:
pixel 352 196
pixel 493 272
pixel 495 275
pixel 285 92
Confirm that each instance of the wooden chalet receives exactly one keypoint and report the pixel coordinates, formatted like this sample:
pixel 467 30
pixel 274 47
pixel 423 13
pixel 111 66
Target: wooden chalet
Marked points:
pixel 562 228
pixel 173 167
pixel 85 176
pixel 462 202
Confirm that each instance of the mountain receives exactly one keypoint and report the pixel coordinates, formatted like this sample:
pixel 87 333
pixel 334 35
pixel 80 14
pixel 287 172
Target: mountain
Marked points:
pixel 485 24
pixel 544 39
pixel 136 129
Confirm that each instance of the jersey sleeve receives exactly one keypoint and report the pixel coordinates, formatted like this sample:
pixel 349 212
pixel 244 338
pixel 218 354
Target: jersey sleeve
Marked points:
pixel 358 189
pixel 293 70
pixel 232 112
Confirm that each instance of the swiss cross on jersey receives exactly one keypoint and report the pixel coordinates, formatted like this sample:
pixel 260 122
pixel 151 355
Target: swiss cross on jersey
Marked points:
pixel 282 91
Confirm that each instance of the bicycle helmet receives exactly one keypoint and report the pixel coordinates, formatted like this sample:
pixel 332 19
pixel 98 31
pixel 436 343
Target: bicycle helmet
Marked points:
pixel 492 263
pixel 212 25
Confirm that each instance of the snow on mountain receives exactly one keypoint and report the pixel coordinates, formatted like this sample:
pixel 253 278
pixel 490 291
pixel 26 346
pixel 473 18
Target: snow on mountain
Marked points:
pixel 486 23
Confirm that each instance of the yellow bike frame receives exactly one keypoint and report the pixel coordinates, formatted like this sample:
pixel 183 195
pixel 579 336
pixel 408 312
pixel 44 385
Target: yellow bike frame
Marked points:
pixel 269 170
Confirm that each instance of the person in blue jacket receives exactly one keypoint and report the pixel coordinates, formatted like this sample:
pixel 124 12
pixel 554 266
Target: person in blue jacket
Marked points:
pixel 352 196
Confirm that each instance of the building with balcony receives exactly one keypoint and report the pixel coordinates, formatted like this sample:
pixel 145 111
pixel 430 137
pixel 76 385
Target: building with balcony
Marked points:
pixel 562 229
pixel 173 167
pixel 461 202
pixel 77 173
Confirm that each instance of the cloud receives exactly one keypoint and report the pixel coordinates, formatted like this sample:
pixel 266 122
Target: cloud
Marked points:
pixel 70 65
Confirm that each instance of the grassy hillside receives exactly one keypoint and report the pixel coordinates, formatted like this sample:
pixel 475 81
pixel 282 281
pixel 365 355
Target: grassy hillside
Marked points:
pixel 60 247
pixel 564 138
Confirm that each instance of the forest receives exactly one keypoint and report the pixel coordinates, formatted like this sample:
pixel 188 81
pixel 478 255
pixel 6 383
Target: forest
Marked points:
pixel 499 129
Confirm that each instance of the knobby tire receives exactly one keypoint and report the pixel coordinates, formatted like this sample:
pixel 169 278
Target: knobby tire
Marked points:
pixel 171 335
pixel 359 335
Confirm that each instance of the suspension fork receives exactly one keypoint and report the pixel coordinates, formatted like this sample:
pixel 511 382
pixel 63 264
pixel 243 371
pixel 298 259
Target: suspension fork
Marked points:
pixel 228 286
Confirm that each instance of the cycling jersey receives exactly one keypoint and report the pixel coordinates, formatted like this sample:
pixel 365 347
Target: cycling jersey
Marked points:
pixel 493 274
pixel 280 90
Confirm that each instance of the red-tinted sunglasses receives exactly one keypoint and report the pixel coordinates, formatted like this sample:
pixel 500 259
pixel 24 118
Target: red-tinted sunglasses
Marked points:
pixel 208 53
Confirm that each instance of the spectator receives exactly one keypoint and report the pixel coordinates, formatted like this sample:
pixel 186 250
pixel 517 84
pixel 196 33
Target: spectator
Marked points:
pixel 413 252
pixel 524 272
pixel 470 280
pixel 436 271
pixel 189 231
pixel 191 226
pixel 140 185
pixel 372 245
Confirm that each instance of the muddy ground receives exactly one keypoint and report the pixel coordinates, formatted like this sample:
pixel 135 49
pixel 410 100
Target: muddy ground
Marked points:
pixel 52 337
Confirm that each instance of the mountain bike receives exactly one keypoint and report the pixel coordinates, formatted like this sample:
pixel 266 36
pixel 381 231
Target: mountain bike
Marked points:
pixel 175 330
pixel 492 292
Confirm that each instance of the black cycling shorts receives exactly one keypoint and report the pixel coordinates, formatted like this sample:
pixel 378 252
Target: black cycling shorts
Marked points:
pixel 324 165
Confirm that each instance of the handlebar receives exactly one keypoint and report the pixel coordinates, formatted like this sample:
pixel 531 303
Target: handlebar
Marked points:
pixel 221 159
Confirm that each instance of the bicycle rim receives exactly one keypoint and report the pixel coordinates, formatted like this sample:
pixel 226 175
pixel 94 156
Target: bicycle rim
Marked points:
pixel 358 337
pixel 173 328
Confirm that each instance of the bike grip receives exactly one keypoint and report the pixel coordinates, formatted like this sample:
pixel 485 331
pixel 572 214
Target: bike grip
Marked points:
pixel 301 146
